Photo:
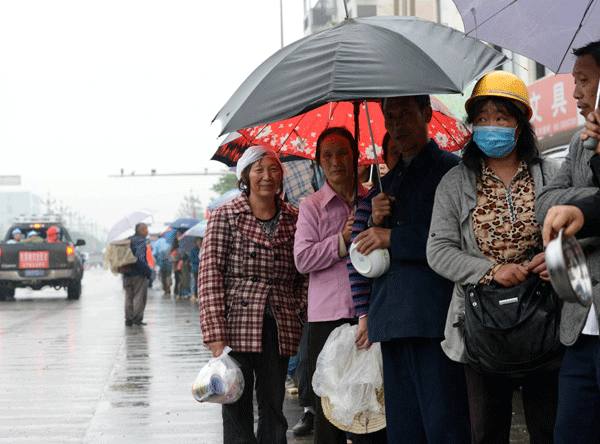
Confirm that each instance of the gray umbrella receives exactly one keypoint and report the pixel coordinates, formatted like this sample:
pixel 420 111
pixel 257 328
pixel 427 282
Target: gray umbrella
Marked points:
pixel 358 59
pixel 543 31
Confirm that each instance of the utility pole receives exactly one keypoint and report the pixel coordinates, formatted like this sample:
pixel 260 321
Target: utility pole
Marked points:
pixel 49 203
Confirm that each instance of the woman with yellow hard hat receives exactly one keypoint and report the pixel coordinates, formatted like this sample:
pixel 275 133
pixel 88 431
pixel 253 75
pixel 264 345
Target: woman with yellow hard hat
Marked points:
pixel 484 237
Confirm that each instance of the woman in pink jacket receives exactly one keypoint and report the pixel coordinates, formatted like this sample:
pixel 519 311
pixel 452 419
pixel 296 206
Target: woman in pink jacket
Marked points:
pixel 320 249
pixel 251 296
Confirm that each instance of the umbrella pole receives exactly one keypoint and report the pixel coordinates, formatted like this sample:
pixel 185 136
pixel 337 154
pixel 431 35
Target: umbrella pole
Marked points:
pixel 356 104
pixel 377 172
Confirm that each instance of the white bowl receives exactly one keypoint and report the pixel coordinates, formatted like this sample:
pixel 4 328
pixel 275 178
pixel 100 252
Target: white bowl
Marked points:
pixel 373 265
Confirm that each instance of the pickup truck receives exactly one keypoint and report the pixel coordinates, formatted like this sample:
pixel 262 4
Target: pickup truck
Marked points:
pixel 36 262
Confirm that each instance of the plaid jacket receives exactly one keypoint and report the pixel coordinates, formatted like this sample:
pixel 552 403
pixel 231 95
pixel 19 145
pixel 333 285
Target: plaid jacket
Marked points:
pixel 239 269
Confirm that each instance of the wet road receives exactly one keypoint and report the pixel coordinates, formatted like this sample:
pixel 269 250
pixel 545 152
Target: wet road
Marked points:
pixel 71 372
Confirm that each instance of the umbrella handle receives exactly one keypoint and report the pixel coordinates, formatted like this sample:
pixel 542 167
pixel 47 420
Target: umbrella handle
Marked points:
pixel 591 143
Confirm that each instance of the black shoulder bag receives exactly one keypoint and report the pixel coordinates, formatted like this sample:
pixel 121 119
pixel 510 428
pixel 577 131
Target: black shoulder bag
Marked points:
pixel 514 329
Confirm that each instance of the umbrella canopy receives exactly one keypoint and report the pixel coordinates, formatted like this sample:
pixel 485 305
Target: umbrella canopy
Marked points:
pixel 197 230
pixel 543 31
pixel 223 199
pixel 366 58
pixel 128 223
pixel 298 135
pixel 184 223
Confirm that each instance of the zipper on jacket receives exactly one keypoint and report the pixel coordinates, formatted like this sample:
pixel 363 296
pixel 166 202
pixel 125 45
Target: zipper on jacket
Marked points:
pixel 509 199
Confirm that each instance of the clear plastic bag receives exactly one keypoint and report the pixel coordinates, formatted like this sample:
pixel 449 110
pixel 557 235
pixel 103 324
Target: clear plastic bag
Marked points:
pixel 220 381
pixel 348 376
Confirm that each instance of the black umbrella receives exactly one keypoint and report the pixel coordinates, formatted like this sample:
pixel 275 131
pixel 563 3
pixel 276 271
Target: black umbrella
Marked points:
pixel 366 58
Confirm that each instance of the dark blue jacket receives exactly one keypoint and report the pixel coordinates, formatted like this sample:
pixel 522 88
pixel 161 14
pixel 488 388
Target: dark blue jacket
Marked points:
pixel 138 247
pixel 410 300
pixel 194 259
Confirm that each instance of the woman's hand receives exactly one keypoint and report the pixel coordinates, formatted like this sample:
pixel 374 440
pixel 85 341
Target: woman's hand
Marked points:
pixel 538 266
pixel 347 231
pixel 510 275
pixel 216 347
pixel 362 336
pixel 382 207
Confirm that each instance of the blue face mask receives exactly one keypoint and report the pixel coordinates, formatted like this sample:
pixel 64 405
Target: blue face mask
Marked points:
pixel 494 141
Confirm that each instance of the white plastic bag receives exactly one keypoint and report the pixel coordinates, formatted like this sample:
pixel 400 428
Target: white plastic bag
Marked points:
pixel 348 376
pixel 220 381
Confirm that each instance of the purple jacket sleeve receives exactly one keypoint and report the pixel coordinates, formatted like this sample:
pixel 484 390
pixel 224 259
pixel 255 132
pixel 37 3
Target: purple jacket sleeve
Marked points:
pixel 360 286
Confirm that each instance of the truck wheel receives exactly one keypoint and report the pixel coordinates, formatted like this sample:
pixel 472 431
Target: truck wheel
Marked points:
pixel 6 293
pixel 74 290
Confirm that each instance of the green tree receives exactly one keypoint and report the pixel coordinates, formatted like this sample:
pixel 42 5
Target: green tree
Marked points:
pixel 225 183
pixel 191 207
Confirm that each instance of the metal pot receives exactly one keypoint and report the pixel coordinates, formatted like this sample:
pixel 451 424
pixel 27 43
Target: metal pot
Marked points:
pixel 569 273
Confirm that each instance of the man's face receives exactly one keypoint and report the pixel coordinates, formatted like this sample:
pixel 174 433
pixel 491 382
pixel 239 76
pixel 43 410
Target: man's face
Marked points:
pixel 144 231
pixel 407 124
pixel 586 73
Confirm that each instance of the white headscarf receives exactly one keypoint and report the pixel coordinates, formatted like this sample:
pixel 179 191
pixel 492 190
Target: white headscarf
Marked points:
pixel 251 155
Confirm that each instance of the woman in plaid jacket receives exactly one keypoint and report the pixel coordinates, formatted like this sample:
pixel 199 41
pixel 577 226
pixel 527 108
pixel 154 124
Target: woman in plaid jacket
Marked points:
pixel 251 296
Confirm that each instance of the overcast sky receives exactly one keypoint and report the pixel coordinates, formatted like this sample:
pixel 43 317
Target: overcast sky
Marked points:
pixel 90 87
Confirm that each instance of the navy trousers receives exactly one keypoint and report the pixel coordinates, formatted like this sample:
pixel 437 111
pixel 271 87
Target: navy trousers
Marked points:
pixel 578 415
pixel 425 393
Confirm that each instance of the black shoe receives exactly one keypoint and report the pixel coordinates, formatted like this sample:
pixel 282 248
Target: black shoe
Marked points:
pixel 305 425
pixel 128 323
pixel 140 323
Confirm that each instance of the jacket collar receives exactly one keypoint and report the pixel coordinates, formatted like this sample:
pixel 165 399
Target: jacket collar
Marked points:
pixel 329 194
pixel 421 161
pixel 248 225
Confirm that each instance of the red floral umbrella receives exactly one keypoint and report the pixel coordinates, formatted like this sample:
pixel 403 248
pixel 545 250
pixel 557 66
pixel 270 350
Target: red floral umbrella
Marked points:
pixel 297 136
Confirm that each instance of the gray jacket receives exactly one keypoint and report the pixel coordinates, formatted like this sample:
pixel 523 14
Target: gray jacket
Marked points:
pixel 452 249
pixel 574 181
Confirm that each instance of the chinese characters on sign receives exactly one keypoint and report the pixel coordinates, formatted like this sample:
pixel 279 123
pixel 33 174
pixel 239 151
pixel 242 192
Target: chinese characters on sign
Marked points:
pixel 33 259
pixel 554 108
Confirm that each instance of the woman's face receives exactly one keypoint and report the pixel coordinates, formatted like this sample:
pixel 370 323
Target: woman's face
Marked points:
pixel 336 159
pixel 491 115
pixel 265 177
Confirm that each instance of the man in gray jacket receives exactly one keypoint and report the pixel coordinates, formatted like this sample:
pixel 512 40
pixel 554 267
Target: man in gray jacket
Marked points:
pixel 578 179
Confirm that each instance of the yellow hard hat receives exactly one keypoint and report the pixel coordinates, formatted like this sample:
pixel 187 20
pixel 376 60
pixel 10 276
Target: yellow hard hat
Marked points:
pixel 502 84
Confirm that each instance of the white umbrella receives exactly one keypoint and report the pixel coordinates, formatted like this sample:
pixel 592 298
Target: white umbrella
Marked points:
pixel 128 222
pixel 197 230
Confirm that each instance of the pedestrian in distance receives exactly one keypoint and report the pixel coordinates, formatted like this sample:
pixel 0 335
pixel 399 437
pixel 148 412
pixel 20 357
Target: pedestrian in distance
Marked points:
pixel 483 232
pixel 174 258
pixel 165 268
pixel 136 281
pixel 15 236
pixel 194 264
pixel 405 309
pixel 53 234
pixel 576 182
pixel 251 297
pixel 33 237
pixel 320 250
